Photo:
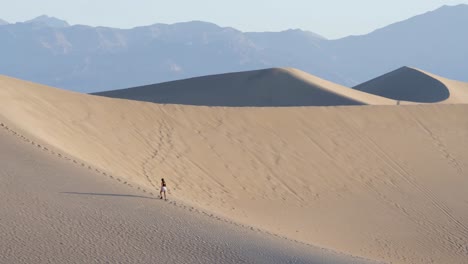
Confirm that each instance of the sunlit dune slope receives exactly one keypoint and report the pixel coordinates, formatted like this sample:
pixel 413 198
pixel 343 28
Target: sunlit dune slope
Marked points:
pixel 383 182
pixel 56 211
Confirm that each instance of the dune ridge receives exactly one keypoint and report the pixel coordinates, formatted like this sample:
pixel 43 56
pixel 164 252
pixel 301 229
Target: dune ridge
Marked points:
pixel 311 174
pixel 268 87
pixel 415 85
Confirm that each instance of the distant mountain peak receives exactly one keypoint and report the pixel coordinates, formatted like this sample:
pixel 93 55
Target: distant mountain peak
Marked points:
pixel 48 21
pixel 3 22
pixel 196 25
pixel 452 9
pixel 453 6
pixel 303 32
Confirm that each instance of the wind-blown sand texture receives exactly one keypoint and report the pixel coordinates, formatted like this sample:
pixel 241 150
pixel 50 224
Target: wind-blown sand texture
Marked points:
pixel 410 84
pixel 55 211
pixel 269 87
pixel 382 182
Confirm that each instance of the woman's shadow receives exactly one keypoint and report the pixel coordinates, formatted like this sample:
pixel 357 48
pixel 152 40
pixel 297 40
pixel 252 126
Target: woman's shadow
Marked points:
pixel 111 194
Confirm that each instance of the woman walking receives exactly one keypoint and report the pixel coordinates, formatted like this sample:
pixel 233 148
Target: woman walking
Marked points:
pixel 163 189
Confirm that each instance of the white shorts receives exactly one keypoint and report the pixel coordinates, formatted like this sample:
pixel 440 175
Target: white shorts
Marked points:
pixel 164 189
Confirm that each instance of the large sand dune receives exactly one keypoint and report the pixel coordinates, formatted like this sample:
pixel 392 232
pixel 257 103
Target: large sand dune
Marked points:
pixel 410 84
pixel 269 87
pixel 56 211
pixel 382 182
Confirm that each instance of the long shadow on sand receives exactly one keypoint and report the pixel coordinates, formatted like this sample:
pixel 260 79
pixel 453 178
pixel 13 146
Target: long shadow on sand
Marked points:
pixel 111 194
pixel 407 84
pixel 261 88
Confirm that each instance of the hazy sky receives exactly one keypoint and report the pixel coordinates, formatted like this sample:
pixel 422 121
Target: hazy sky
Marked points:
pixel 330 18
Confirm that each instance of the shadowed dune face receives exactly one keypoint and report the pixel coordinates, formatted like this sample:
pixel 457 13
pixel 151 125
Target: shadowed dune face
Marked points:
pixel 407 84
pixel 262 88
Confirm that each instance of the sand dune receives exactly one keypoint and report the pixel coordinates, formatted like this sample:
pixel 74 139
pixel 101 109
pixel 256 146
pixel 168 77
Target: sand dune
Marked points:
pixel 381 182
pixel 269 87
pixel 55 211
pixel 410 84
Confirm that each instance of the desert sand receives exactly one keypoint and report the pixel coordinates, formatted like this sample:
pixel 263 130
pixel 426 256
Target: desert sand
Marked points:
pixel 56 211
pixel 412 84
pixel 382 182
pixel 268 87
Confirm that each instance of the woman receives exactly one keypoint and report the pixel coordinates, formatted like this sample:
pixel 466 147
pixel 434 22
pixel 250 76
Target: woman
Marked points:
pixel 163 189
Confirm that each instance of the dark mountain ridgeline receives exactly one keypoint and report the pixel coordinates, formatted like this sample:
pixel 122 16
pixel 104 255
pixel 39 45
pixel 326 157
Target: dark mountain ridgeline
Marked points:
pixel 88 59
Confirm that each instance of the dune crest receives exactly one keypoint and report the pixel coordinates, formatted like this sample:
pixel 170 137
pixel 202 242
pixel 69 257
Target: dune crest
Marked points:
pixel 414 85
pixel 383 182
pixel 268 87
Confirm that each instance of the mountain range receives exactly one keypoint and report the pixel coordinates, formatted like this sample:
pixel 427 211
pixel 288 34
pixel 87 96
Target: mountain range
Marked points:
pixel 82 58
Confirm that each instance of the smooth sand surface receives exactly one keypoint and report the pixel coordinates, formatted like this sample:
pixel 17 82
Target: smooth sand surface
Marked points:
pixel 382 182
pixel 55 211
pixel 269 87
pixel 411 84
